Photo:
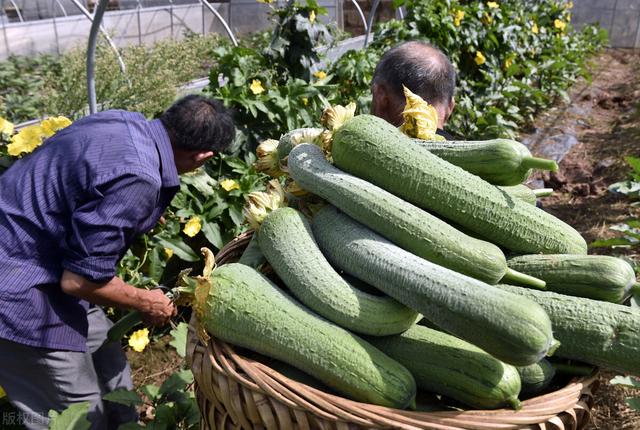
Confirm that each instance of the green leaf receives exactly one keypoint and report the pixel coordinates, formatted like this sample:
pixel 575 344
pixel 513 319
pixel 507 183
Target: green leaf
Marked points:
pixel 164 418
pixel 152 391
pixel 628 381
pixel 130 426
pixel 606 243
pixel 235 212
pixel 179 248
pixel 156 264
pixel 72 418
pixel 123 396
pixel 211 231
pixel 634 403
pixel 178 381
pixel 635 302
pixel 634 162
pixel 179 341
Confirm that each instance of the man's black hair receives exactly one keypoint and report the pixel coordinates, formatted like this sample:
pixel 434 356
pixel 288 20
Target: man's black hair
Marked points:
pixel 199 123
pixel 419 66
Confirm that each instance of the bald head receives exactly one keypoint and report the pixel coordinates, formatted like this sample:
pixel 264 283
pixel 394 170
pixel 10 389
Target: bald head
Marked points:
pixel 422 68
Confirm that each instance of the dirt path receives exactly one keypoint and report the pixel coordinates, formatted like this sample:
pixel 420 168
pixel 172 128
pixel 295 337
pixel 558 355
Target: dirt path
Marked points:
pixel 602 120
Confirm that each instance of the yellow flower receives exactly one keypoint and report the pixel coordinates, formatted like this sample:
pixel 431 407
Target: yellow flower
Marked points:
pixel 569 5
pixel 168 252
pixel 487 19
pixel 493 5
pixel 534 28
pixel 568 17
pixel 256 87
pixel 51 125
pixel 312 16
pixel 6 127
pixel 229 184
pixel 265 1
pixel 192 227
pixel 2 393
pixel 27 139
pixel 305 101
pixel 139 340
pixel 480 58
pixel 457 19
pixel 559 24
pixel 420 118
pixel 320 74
pixel 508 62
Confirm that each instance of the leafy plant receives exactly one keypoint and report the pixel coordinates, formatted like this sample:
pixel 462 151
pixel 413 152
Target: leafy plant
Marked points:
pixel 629 381
pixel 630 187
pixel 72 418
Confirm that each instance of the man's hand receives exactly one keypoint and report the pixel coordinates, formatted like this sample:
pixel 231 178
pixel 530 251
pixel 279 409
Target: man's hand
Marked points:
pixel 156 308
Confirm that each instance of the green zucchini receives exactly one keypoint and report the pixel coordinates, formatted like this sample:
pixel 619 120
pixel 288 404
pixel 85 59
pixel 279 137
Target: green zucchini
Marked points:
pixel 244 308
pixel 444 364
pixel 498 161
pixel 536 377
pixel 599 333
pixel 513 330
pixel 527 194
pixel 295 137
pixel 597 277
pixel 374 150
pixel 287 242
pixel 408 226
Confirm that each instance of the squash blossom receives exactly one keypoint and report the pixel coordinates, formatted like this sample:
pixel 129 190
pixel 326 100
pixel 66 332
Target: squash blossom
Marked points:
pixel 51 125
pixel 420 118
pixel 480 58
pixel 256 87
pixel 320 74
pixel 193 226
pixel 487 19
pixel 312 16
pixel 457 19
pixel 534 28
pixel 493 5
pixel 168 252
pixel 229 184
pixel 139 340
pixel 569 5
pixel 508 62
pixel 27 139
pixel 559 24
pixel 305 101
pixel 6 127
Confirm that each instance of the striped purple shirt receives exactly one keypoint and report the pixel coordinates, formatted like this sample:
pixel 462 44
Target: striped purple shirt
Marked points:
pixel 76 203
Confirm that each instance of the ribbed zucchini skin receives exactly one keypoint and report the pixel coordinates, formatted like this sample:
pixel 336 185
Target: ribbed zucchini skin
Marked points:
pixel 246 309
pixel 287 242
pixel 536 377
pixel 597 277
pixel 444 364
pixel 515 331
pixel 498 161
pixel 408 226
pixel 374 150
pixel 599 333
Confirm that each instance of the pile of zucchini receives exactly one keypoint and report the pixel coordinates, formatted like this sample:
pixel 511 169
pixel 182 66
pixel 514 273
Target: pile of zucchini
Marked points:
pixel 393 272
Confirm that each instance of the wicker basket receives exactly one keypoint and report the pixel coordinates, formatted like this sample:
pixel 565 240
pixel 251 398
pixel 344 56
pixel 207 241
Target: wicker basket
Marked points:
pixel 235 392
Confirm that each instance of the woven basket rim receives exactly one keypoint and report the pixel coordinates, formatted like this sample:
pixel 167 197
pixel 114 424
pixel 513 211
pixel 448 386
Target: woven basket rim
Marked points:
pixel 216 363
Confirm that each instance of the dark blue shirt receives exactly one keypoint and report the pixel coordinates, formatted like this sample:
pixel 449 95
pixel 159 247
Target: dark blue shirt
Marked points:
pixel 76 203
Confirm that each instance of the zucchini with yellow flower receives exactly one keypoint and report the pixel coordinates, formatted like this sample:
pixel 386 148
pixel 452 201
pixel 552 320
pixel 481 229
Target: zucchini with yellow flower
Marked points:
pixel 287 242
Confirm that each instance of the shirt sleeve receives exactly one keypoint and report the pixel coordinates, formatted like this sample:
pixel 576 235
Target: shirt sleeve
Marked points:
pixel 103 227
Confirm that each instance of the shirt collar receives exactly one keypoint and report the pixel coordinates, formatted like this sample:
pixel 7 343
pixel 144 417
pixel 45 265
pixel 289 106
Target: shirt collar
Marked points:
pixel 168 171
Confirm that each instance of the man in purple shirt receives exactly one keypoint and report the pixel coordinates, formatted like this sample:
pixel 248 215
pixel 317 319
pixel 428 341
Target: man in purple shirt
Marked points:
pixel 68 213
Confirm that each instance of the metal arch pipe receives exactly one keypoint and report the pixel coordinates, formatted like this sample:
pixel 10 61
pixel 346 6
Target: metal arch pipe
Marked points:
pixel 361 13
pixel 113 46
pixel 372 15
pixel 91 54
pixel 222 21
pixel 17 10
pixel 61 6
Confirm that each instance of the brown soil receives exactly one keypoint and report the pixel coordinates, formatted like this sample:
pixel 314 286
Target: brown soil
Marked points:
pixel 604 116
